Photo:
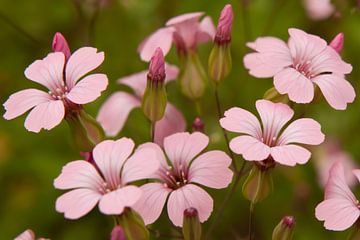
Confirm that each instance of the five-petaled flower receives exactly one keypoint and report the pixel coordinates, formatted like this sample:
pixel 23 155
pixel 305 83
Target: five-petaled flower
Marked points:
pixel 301 65
pixel 267 141
pixel 66 90
pixel 179 177
pixel 107 181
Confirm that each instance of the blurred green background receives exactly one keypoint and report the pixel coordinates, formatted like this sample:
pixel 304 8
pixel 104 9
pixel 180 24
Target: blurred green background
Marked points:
pixel 29 162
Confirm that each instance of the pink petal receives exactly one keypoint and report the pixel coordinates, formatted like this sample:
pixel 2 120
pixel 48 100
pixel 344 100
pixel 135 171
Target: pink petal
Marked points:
pixel 114 112
pixel 79 174
pixel 22 101
pixel 152 201
pixel 304 130
pixel 184 17
pixel 141 165
pixel 172 122
pixel 329 61
pixel 337 91
pixel 60 44
pixel 338 214
pixel 319 9
pixel 161 38
pixel 26 235
pixel 272 56
pixel 290 155
pixel 110 156
pixel 241 121
pixel 46 115
pixel 82 62
pixel 48 71
pixel 356 172
pixel 77 203
pixel 183 147
pixel 88 89
pixel 113 203
pixel 211 169
pixel 250 148
pixel 206 30
pixel 338 42
pixel 273 117
pixel 299 88
pixel 185 197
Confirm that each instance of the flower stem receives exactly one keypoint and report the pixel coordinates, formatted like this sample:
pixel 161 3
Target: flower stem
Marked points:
pixel 251 219
pixel 152 131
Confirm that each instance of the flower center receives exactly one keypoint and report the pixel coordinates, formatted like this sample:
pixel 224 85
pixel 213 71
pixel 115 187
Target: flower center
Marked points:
pixel 106 188
pixel 59 93
pixel 305 68
pixel 174 177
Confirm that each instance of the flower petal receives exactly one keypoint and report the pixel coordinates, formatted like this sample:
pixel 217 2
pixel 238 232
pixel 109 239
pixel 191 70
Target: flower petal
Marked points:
pixel 250 148
pixel 337 91
pixel 26 235
pixel 304 130
pixel 46 115
pixel 113 203
pixel 22 101
pixel 299 88
pixel 206 31
pixel 241 121
pixel 79 174
pixel 172 122
pixel 88 89
pixel 184 17
pixel 356 172
pixel 114 112
pixel 48 71
pixel 152 201
pixel 82 62
pixel 110 156
pixel 320 9
pixel 338 214
pixel 211 169
pixel 329 61
pixel 77 203
pixel 183 147
pixel 290 155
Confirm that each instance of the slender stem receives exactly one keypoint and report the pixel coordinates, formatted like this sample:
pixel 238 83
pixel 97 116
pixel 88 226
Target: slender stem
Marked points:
pixel 198 108
pixel 226 200
pixel 152 131
pixel 219 111
pixel 251 219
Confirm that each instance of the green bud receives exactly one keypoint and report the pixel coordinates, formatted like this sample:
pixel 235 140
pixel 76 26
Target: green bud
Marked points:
pixel 285 229
pixel 133 225
pixel 220 62
pixel 191 225
pixel 273 95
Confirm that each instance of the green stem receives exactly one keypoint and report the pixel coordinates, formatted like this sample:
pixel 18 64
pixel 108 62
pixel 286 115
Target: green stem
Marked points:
pixel 251 219
pixel 152 131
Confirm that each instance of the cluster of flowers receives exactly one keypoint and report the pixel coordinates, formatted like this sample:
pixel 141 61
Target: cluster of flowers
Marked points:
pixel 134 185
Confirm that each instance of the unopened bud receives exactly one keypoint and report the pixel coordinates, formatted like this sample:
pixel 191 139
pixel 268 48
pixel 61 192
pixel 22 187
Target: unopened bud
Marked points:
pixel 273 95
pixel 118 233
pixel 133 226
pixel 285 229
pixel 224 27
pixel 60 44
pixel 338 42
pixel 198 125
pixel 191 224
pixel 154 100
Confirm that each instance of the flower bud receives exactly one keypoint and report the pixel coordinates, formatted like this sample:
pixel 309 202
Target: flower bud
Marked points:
pixel 285 229
pixel 191 225
pixel 60 44
pixel 224 27
pixel 192 78
pixel 198 125
pixel 258 185
pixel 273 95
pixel 117 233
pixel 154 100
pixel 86 131
pixel 133 226
pixel 338 42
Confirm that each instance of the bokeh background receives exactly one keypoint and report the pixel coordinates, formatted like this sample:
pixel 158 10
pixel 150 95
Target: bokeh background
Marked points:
pixel 29 162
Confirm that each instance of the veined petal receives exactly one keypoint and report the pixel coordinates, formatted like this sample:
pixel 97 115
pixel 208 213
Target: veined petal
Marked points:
pixel 114 112
pixel 329 61
pixel 250 148
pixel 290 155
pixel 22 101
pixel 82 62
pixel 46 115
pixel 206 31
pixel 136 82
pixel 185 197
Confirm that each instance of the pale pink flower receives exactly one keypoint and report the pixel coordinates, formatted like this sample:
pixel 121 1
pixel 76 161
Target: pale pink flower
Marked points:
pixel 224 27
pixel 66 90
pixel 178 178
pixel 340 208
pixel 107 182
pixel 114 112
pixel 28 235
pixel 319 9
pixel 270 139
pixel 329 153
pixel 305 61
pixel 185 31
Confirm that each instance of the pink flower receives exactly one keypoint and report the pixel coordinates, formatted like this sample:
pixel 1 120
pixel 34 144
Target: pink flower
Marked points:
pixel 107 182
pixel 178 178
pixel 340 208
pixel 186 31
pixel 66 90
pixel 60 44
pixel 301 64
pixel 337 43
pixel 224 27
pixel 27 235
pixel 114 112
pixel 325 157
pixel 269 139
pixel 319 9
